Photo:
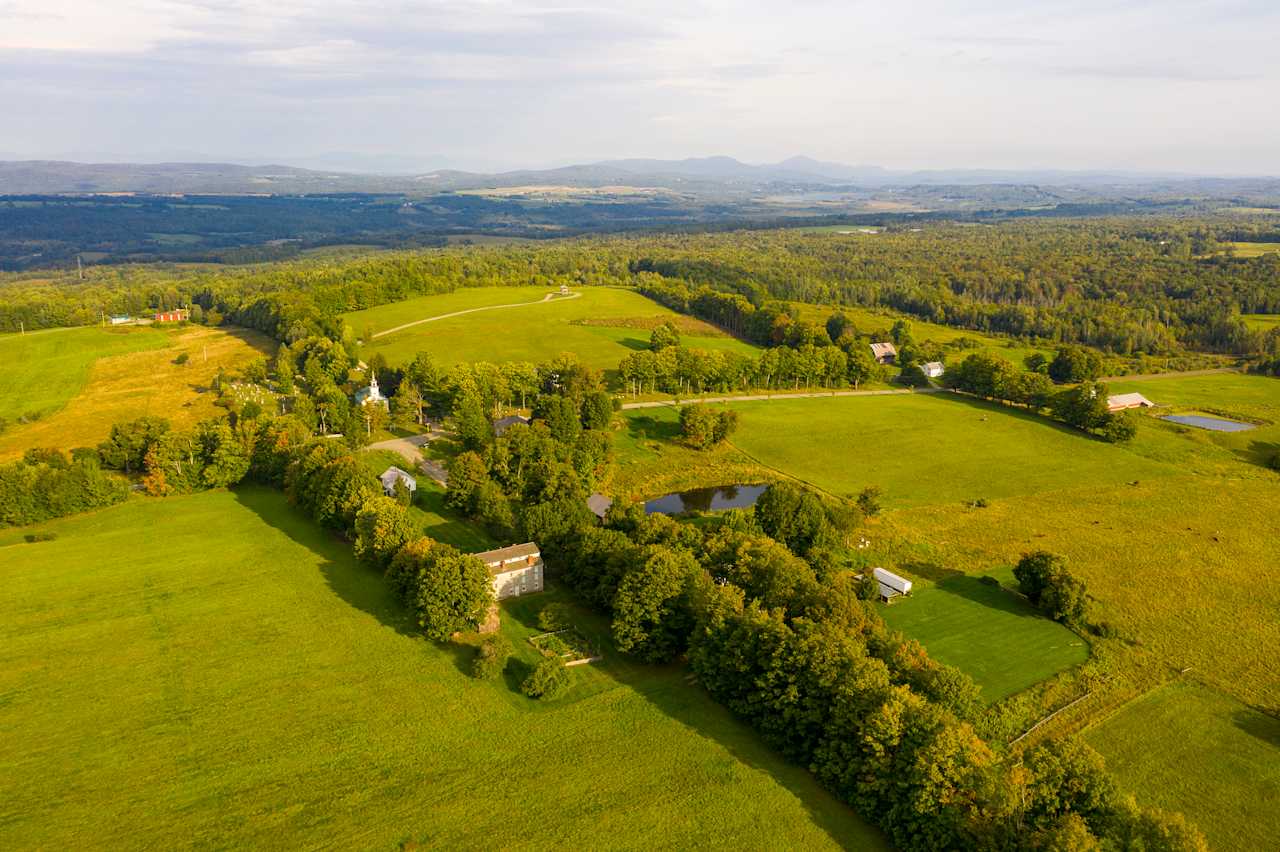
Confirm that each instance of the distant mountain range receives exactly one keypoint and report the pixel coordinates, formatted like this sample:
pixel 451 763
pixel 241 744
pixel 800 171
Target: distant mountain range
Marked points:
pixel 697 176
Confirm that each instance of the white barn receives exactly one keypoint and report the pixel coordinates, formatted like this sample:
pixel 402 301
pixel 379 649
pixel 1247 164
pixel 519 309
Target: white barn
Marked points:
pixel 891 585
pixel 1125 401
pixel 516 570
pixel 933 370
pixel 391 476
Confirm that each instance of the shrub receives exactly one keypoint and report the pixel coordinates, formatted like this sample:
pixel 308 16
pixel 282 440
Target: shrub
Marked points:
pixel 549 680
pixel 989 581
pixel 491 658
pixel 32 538
pixel 554 617
pixel 182 358
pixel 869 500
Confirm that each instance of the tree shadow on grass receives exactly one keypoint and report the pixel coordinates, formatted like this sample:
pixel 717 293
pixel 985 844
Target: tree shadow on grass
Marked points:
pixel 649 428
pixel 634 343
pixel 984 407
pixel 359 586
pixel 992 595
pixel 1260 725
pixel 1259 453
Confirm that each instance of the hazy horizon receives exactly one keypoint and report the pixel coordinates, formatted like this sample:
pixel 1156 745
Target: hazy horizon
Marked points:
pixel 513 84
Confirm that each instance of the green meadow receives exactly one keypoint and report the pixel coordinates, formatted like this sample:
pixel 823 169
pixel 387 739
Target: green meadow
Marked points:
pixel 986 631
pixel 926 449
pixel 215 671
pixel 43 370
pixel 533 330
pixel 1261 322
pixel 428 510
pixel 1185 747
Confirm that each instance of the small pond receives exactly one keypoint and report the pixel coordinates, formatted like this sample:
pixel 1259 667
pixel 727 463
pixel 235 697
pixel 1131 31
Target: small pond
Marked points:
pixel 1200 421
pixel 705 499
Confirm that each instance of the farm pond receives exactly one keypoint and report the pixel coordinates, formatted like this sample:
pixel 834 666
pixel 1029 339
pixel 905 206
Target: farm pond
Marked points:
pixel 1200 421
pixel 705 499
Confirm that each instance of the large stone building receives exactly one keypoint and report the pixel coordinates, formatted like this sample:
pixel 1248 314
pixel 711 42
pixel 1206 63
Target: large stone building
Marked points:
pixel 516 570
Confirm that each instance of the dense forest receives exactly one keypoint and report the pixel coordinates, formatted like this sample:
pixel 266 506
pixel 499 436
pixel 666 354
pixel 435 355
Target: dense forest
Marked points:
pixel 1126 285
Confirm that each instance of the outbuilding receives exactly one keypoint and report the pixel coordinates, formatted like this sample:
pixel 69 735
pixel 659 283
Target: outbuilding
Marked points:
pixel 516 570
pixel 1125 401
pixel 599 504
pixel 933 370
pixel 504 423
pixel 176 315
pixel 891 585
pixel 391 476
pixel 121 319
pixel 884 353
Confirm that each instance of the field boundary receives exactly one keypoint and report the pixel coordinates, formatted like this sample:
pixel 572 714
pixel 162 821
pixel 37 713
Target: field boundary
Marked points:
pixel 660 403
pixel 550 297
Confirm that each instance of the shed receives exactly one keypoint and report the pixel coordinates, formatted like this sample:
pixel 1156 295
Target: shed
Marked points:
pixel 1124 401
pixel 891 585
pixel 933 370
pixel 516 570
pixel 391 476
pixel 503 424
pixel 175 315
pixel 120 319
pixel 599 504
pixel 884 353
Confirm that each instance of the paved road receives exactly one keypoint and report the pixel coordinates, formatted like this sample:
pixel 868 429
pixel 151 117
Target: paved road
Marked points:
pixel 547 298
pixel 761 397
pixel 411 449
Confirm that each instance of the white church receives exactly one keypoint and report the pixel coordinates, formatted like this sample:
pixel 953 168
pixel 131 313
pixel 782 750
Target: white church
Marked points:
pixel 371 394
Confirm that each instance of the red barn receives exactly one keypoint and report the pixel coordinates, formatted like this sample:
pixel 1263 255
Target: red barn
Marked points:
pixel 176 315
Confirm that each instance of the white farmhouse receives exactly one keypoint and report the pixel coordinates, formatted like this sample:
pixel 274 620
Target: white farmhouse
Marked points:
pixel 516 570
pixel 391 476
pixel 932 370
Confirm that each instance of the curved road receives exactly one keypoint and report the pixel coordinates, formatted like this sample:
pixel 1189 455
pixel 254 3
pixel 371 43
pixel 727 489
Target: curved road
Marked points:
pixel 547 298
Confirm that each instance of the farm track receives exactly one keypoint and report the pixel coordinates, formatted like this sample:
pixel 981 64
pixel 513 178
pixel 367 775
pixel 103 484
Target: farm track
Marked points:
pixel 547 298
pixel 659 403
pixel 411 449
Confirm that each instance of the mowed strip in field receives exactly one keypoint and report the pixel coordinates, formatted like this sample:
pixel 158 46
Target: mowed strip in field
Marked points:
pixel 214 670
pixel 925 449
pixel 42 370
pixel 527 332
pixel 1187 748
pixel 149 382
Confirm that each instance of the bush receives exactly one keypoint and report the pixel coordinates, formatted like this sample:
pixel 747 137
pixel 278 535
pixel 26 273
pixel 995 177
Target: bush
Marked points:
pixel 989 581
pixel 491 658
pixel 554 617
pixel 32 538
pixel 549 680
pixel 182 358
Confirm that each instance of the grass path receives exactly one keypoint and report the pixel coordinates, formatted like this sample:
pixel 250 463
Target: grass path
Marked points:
pixel 547 298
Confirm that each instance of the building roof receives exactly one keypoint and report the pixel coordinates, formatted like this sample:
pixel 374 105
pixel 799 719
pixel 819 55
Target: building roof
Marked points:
pixel 506 554
pixel 933 367
pixel 391 474
pixel 502 424
pixel 892 580
pixel 880 350
pixel 599 504
pixel 1128 400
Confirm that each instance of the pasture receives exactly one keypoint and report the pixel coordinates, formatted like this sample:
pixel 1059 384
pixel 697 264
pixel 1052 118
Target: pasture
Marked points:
pixel 527 332
pixel 142 382
pixel 1261 322
pixel 924 449
pixel 1244 249
pixel 215 671
pixel 42 370
pixel 986 631
pixel 1187 747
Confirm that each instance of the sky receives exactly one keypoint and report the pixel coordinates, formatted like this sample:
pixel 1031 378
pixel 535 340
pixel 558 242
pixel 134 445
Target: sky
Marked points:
pixel 1177 85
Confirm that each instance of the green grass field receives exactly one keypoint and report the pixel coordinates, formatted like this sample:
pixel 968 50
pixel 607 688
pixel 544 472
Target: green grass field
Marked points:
pixel 531 332
pixel 1186 747
pixel 43 370
pixel 991 634
pixel 1243 249
pixel 1261 322
pixel 215 671
pixel 928 448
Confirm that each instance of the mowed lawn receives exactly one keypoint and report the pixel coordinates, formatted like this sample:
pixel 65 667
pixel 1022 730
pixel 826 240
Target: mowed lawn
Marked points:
pixel 215 671
pixel 41 371
pixel 1188 748
pixel 529 332
pixel 428 510
pixel 929 448
pixel 991 634
pixel 144 382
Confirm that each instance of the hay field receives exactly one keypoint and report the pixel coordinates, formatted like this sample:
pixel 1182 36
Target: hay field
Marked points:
pixel 123 387
pixel 529 332
pixel 1233 753
pixel 215 671
pixel 42 370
